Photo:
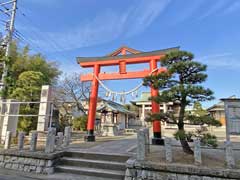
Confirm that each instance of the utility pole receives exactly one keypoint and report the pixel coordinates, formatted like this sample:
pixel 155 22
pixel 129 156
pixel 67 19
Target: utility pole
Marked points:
pixel 9 34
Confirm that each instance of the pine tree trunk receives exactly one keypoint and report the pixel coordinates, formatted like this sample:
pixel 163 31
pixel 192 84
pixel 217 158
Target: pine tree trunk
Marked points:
pixel 185 146
pixel 184 142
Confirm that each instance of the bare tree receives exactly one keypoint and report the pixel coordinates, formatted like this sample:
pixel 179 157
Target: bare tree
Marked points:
pixel 70 90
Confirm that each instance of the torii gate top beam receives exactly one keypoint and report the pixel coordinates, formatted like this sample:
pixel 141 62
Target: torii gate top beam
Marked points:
pixel 139 57
pixel 114 58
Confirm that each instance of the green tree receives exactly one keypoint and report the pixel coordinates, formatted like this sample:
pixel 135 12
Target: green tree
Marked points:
pixel 26 74
pixel 20 61
pixel 80 123
pixel 28 88
pixel 181 83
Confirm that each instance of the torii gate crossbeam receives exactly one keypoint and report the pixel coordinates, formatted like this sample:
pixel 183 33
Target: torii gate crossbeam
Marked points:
pixel 122 60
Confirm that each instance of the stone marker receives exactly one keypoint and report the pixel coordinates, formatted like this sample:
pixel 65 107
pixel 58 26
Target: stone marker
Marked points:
pixel 197 152
pixel 141 145
pixel 50 141
pixel 8 122
pixel 168 149
pixel 21 137
pixel 229 155
pixel 67 136
pixel 8 140
pixel 44 108
pixel 146 130
pixel 59 140
pixel 33 141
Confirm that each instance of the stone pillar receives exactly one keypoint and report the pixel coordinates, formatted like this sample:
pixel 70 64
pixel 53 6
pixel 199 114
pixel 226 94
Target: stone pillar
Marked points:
pixel 21 137
pixel 147 141
pixel 141 145
pixel 8 140
pixel 165 107
pixel 197 152
pixel 59 141
pixel 50 141
pixel 44 109
pixel 33 141
pixel 168 149
pixel 229 155
pixel 143 112
pixel 9 122
pixel 67 136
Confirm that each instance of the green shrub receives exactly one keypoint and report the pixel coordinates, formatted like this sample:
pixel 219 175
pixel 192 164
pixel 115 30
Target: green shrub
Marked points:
pixel 80 123
pixel 181 134
pixel 209 140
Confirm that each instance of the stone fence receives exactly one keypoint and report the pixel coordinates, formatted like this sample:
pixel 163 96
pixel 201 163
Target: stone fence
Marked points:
pixel 140 168
pixel 29 159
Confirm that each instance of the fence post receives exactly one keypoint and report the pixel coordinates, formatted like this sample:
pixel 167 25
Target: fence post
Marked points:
pixel 50 141
pixel 67 136
pixel 141 144
pixel 8 140
pixel 33 141
pixel 147 142
pixel 229 155
pixel 21 137
pixel 197 152
pixel 168 149
pixel 59 141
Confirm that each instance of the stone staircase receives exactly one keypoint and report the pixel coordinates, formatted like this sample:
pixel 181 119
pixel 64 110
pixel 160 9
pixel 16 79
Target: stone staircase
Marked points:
pixel 93 164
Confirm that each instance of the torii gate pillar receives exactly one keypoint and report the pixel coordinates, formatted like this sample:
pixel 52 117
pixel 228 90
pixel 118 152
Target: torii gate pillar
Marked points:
pixel 157 137
pixel 92 105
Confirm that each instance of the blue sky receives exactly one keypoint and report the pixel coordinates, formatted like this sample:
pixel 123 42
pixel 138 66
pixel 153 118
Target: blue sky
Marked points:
pixel 63 30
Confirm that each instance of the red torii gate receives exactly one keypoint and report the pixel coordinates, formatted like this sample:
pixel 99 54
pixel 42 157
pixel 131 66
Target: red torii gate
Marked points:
pixel 121 58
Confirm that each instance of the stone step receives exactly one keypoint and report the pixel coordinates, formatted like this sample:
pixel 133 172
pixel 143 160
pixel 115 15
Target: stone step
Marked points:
pixel 80 162
pixel 97 156
pixel 91 172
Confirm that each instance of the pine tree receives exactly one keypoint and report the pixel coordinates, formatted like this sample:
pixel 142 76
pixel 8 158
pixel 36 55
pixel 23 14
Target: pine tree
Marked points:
pixel 181 84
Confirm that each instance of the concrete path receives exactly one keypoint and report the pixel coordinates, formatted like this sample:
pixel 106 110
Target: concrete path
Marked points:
pixel 119 146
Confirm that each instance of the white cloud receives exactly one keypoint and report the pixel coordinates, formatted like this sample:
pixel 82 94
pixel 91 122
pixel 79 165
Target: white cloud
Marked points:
pixel 224 60
pixel 187 12
pixel 214 9
pixel 105 27
pixel 144 14
pixel 232 8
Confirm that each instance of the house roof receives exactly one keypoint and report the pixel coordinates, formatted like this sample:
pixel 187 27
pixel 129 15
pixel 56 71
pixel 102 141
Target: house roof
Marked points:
pixel 127 56
pixel 220 105
pixel 144 97
pixel 113 106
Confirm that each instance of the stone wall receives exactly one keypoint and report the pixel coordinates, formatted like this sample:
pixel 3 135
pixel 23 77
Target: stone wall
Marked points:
pixel 36 162
pixel 32 159
pixel 141 170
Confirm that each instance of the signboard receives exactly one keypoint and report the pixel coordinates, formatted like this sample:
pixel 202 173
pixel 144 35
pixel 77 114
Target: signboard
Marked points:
pixel 232 113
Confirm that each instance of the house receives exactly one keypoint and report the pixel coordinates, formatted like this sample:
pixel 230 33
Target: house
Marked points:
pixel 217 111
pixel 145 106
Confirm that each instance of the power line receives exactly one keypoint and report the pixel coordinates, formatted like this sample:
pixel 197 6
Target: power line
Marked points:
pixel 53 44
